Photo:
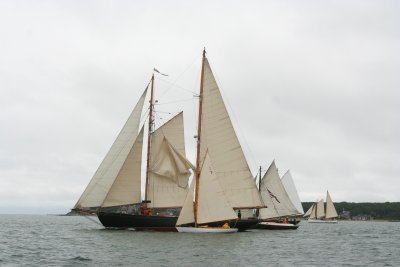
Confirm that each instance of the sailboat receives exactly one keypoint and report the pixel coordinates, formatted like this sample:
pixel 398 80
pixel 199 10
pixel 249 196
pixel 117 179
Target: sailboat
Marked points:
pixel 210 211
pixel 223 181
pixel 321 212
pixel 278 201
pixel 114 192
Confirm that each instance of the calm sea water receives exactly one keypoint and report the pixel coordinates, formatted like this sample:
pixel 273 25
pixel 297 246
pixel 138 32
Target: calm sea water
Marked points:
pixel 77 241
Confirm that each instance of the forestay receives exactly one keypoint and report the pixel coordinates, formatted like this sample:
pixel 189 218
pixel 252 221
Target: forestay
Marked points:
pixel 95 193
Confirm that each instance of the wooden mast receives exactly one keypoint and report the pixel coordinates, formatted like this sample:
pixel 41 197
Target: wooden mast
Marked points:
pixel 149 140
pixel 196 198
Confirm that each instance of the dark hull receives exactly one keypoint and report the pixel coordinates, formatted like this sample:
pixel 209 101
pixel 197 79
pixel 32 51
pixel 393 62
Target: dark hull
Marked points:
pixel 276 227
pixel 157 223
pixel 138 222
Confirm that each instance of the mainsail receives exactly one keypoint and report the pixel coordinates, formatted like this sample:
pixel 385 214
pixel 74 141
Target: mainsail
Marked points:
pixel 330 208
pixel 126 188
pixel 320 213
pixel 99 186
pixel 309 211
pixel 169 169
pixel 313 211
pixel 291 190
pixel 274 193
pixel 218 137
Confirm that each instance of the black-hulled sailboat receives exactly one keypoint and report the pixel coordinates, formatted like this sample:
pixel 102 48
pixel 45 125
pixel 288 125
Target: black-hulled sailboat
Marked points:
pixel 114 193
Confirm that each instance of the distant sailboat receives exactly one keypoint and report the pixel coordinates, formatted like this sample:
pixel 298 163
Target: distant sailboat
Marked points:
pixel 321 213
pixel 279 204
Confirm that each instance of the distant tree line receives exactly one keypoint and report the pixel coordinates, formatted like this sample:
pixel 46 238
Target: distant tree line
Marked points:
pixel 379 211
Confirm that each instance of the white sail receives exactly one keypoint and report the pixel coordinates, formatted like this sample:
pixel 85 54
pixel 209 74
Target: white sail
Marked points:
pixel 271 185
pixel 309 211
pixel 126 188
pixel 320 213
pixel 330 208
pixel 100 184
pixel 169 169
pixel 314 211
pixel 218 137
pixel 291 190
pixel 213 205
pixel 187 213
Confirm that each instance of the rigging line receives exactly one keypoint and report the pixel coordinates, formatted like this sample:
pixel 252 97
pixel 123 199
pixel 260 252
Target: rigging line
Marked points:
pixel 180 75
pixel 234 115
pixel 172 85
pixel 176 101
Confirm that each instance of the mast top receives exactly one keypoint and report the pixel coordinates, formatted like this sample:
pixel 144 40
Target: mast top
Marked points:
pixel 204 52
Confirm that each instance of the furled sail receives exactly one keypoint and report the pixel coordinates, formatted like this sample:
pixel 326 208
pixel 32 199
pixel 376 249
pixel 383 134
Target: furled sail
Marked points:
pixel 272 187
pixel 169 170
pixel 320 213
pixel 126 188
pixel 291 190
pixel 218 137
pixel 330 208
pixel 99 186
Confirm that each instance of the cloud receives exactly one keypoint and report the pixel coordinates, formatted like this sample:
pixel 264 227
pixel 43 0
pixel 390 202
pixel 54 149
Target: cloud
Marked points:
pixel 313 85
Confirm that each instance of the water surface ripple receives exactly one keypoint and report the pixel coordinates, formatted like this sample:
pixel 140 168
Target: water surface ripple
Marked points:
pixel 77 241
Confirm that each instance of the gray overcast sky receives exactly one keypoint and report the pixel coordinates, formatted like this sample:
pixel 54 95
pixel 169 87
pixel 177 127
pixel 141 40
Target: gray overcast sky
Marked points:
pixel 312 84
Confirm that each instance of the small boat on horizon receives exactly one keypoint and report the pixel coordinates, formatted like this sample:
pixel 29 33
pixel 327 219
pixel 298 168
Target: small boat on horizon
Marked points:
pixel 321 212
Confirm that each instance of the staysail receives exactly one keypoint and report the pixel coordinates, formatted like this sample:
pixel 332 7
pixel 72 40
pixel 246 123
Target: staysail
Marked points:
pixel 187 212
pixel 330 208
pixel 126 188
pixel 273 189
pixel 218 137
pixel 169 170
pixel 212 204
pixel 291 190
pixel 96 192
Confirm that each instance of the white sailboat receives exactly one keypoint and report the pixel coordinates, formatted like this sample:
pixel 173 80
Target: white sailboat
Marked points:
pixel 117 182
pixel 321 213
pixel 219 150
pixel 210 205
pixel 279 204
